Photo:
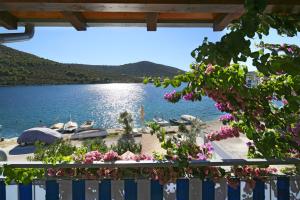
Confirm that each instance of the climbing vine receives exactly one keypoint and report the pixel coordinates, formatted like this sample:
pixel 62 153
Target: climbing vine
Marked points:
pixel 268 114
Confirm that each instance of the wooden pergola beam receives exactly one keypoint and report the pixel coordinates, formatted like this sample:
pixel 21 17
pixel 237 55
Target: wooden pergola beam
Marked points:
pixel 76 19
pixel 118 7
pixel 224 20
pixel 175 6
pixel 8 21
pixel 151 20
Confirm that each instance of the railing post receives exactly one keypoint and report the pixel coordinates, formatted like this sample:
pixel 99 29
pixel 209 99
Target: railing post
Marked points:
pixel 2 190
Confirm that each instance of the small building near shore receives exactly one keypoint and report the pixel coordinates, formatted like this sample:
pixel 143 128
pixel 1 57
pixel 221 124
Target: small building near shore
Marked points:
pixel 252 80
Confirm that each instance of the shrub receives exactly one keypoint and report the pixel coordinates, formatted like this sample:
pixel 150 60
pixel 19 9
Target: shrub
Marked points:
pixel 126 120
pixel 57 151
pixel 95 144
pixel 126 145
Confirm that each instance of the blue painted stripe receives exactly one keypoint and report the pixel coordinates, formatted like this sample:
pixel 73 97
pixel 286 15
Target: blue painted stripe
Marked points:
pixel 52 190
pixel 25 192
pixel 234 193
pixel 130 187
pixel 259 190
pixel 156 190
pixel 283 188
pixel 78 190
pixel 208 190
pixel 105 190
pixel 182 189
pixel 2 190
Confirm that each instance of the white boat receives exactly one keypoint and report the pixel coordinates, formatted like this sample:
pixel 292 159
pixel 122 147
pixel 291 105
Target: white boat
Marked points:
pixel 70 127
pixel 191 118
pixel 57 127
pixel 188 117
pixel 161 121
pixel 87 125
pixel 89 134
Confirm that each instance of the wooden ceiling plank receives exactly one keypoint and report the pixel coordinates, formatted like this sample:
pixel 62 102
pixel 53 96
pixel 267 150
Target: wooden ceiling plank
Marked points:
pixel 76 19
pixel 224 20
pixel 151 20
pixel 120 7
pixel 8 21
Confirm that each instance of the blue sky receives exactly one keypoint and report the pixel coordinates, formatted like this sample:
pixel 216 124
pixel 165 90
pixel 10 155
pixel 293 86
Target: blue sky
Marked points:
pixel 114 46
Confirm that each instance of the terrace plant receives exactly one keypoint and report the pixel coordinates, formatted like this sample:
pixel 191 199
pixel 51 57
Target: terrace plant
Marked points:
pixel 219 73
pixel 126 120
pixel 96 144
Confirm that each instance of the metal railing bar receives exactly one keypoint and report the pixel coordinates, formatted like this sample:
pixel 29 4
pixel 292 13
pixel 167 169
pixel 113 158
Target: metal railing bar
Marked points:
pixel 151 164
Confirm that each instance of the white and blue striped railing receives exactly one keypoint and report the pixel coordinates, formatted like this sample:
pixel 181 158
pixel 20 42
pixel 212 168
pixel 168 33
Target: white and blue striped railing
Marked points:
pixel 277 187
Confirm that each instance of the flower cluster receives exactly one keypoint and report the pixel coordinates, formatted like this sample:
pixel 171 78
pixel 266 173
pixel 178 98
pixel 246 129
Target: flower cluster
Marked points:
pixel 296 133
pixel 250 174
pixel 209 69
pixel 224 133
pixel 221 107
pixel 172 96
pixel 131 156
pixel 289 49
pixel 110 156
pixel 92 156
pixel 206 151
pixel 188 96
pixel 226 118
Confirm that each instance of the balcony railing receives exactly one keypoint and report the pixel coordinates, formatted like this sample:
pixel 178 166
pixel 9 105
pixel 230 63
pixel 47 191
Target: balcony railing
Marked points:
pixel 279 187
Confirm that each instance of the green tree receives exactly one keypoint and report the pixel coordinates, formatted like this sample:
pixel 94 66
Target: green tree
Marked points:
pixel 219 74
pixel 126 120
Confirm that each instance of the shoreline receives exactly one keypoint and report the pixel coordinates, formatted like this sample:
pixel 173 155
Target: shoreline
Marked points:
pixel 66 84
pixel 235 147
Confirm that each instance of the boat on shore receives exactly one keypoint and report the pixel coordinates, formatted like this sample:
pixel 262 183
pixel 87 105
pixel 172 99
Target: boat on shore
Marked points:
pixel 70 127
pixel 161 121
pixel 87 125
pixel 93 133
pixel 58 127
pixel 178 122
pixel 191 119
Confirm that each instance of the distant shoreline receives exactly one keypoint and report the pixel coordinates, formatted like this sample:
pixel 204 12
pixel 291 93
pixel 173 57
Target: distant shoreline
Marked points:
pixel 61 84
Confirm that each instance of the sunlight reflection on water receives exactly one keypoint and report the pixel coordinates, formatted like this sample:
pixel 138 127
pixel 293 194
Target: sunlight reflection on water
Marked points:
pixel 26 107
pixel 112 99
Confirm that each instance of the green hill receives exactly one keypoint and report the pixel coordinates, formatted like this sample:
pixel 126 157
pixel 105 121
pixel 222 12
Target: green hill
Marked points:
pixel 20 68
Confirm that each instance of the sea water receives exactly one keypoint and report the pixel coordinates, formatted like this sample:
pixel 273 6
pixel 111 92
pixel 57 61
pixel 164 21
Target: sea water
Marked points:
pixel 23 107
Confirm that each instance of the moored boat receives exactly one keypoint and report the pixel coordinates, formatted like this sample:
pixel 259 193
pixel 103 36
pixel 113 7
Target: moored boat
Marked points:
pixel 179 122
pixel 191 118
pixel 70 127
pixel 58 127
pixel 87 125
pixel 188 117
pixel 93 133
pixel 161 121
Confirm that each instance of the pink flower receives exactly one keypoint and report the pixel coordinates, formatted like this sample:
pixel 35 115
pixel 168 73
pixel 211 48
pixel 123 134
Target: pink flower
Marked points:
pixel 51 172
pixel 201 156
pixel 209 69
pixel 227 117
pixel 92 156
pixel 189 96
pixel 290 50
pixel 146 157
pixel 110 156
pixel 285 102
pixel 220 106
pixel 174 158
pixel 172 96
pixel 224 133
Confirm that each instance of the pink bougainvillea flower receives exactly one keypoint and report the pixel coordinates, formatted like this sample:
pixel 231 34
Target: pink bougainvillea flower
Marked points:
pixel 209 69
